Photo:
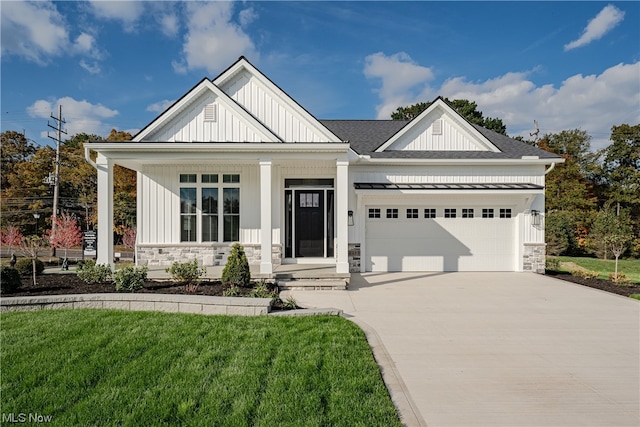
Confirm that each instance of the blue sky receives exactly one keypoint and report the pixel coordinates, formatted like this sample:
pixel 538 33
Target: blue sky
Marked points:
pixel 118 64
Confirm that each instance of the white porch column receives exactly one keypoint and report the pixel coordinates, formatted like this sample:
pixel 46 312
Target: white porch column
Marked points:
pixel 342 206
pixel 105 210
pixel 266 264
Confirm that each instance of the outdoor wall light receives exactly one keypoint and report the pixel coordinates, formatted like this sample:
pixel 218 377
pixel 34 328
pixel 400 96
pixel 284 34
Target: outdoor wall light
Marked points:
pixel 535 217
pixel 350 218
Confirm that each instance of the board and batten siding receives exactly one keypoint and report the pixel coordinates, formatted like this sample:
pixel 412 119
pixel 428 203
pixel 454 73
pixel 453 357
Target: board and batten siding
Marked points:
pixel 532 174
pixel 190 125
pixel 452 137
pixel 271 110
pixel 160 197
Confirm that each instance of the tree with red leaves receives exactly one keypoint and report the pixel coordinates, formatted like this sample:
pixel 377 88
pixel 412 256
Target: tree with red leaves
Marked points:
pixel 10 236
pixel 67 233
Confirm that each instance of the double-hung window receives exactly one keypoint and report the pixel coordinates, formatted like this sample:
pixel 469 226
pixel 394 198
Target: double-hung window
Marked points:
pixel 209 209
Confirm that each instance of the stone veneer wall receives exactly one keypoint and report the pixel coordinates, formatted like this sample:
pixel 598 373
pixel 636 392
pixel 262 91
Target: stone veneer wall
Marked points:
pixel 211 254
pixel 354 257
pixel 534 257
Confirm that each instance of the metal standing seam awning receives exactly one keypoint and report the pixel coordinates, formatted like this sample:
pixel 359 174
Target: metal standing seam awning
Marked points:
pixel 446 186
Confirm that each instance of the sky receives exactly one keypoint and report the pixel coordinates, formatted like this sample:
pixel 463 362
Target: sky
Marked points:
pixel 120 64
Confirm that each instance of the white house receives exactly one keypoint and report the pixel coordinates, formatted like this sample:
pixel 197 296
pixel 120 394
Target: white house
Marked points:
pixel 236 159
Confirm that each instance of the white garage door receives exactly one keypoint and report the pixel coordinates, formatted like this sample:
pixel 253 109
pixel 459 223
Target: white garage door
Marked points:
pixel 412 242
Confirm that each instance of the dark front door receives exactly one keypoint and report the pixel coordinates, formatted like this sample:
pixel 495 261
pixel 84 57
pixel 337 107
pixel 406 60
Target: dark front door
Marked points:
pixel 309 215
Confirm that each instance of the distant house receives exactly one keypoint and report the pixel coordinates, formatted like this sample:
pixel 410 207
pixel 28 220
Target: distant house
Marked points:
pixel 236 159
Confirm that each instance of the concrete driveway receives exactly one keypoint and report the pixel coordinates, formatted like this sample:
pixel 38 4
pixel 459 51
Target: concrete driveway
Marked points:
pixel 502 349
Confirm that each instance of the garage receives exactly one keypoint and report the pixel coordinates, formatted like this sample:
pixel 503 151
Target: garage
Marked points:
pixel 427 238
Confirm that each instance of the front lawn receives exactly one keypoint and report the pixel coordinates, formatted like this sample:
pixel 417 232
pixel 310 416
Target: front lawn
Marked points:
pixel 101 367
pixel 631 268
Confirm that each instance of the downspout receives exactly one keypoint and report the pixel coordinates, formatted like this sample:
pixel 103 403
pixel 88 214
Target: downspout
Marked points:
pixel 87 157
pixel 553 165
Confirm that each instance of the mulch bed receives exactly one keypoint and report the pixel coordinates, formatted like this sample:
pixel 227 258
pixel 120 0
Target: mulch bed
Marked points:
pixel 603 285
pixel 60 284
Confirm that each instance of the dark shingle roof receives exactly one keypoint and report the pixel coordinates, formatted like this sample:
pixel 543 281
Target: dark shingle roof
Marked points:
pixel 367 135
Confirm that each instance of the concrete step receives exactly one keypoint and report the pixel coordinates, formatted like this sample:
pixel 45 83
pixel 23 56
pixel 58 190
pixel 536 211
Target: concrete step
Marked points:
pixel 312 285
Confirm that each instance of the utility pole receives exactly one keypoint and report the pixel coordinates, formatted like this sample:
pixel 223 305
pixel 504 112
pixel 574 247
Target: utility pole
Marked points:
pixel 56 178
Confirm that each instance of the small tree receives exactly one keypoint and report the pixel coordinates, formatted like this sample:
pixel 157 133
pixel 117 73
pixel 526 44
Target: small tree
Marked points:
pixel 618 244
pixel 129 240
pixel 30 246
pixel 10 236
pixel 67 233
pixel 236 270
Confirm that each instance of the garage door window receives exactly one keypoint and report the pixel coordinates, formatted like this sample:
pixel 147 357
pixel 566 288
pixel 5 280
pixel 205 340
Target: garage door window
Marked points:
pixel 429 213
pixel 374 213
pixel 392 213
pixel 467 213
pixel 487 213
pixel 412 213
pixel 505 213
pixel 449 213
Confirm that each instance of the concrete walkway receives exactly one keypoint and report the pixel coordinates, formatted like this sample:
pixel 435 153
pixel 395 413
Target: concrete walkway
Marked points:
pixel 502 349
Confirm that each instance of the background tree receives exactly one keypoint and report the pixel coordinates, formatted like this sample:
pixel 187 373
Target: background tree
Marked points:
pixel 467 109
pixel 68 233
pixel 15 149
pixel 10 237
pixel 621 168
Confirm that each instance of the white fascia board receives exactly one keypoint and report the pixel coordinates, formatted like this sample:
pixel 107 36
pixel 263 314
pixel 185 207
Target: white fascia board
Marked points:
pixel 439 103
pixel 292 105
pixel 146 149
pixel 448 162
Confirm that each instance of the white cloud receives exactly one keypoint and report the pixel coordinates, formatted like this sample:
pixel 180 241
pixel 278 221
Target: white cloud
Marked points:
pixel 605 21
pixel 593 103
pixel 160 106
pixel 35 31
pixel 399 75
pixel 247 16
pixel 212 41
pixel 80 116
pixel 169 24
pixel 128 12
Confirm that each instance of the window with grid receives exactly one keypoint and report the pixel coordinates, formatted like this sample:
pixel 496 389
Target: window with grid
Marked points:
pixel 201 205
pixel 505 213
pixel 487 213
pixel 412 213
pixel 374 213
pixel 429 213
pixel 450 213
pixel 392 213
pixel 467 213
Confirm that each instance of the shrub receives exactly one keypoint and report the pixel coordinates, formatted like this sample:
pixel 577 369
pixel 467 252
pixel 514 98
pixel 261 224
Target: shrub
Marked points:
pixel 585 274
pixel 290 303
pixel 236 270
pixel 186 273
pixel 231 291
pixel 619 278
pixel 9 279
pixel 91 273
pixel 261 290
pixel 130 278
pixel 25 266
pixel 552 264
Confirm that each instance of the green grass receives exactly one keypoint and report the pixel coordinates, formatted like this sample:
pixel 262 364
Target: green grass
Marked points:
pixel 101 367
pixel 635 296
pixel 631 268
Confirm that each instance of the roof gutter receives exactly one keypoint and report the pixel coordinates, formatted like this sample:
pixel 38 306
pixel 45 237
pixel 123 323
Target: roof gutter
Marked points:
pixel 87 157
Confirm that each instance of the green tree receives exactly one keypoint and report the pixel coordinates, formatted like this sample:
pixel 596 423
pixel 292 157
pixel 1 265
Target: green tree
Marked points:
pixel 467 109
pixel 15 149
pixel 611 232
pixel 559 231
pixel 621 168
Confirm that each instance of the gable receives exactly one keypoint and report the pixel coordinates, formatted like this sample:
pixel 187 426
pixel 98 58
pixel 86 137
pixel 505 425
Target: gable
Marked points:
pixel 271 105
pixel 206 114
pixel 439 128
